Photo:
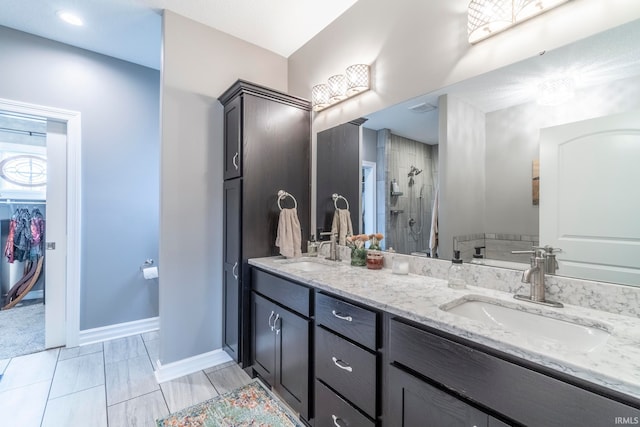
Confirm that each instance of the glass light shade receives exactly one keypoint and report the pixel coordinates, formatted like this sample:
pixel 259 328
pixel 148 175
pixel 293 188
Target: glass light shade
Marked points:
pixel 337 88
pixel 320 97
pixel 487 17
pixel 525 9
pixel 556 91
pixel 357 78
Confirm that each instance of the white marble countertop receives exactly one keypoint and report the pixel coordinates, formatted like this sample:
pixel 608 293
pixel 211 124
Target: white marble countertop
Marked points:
pixel 614 364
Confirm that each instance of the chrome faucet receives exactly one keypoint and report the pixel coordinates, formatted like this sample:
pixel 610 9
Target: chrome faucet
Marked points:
pixel 534 275
pixel 332 242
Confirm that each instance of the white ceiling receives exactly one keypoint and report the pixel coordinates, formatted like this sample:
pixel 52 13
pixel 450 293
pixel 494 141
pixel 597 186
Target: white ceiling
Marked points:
pixel 597 60
pixel 131 29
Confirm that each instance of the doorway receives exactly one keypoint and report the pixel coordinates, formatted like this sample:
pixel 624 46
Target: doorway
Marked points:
pixel 368 225
pixel 61 270
pixel 23 184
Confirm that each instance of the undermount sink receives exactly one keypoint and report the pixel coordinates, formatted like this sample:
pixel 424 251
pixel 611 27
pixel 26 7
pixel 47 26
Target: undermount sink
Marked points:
pixel 577 335
pixel 308 264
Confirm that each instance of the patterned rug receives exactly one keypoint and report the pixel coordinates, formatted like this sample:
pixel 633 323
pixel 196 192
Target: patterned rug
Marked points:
pixel 250 405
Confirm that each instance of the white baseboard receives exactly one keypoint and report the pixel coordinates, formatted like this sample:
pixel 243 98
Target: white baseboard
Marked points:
pixel 187 366
pixel 120 330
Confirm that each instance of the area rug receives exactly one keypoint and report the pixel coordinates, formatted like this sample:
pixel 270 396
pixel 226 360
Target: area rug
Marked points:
pixel 21 330
pixel 250 405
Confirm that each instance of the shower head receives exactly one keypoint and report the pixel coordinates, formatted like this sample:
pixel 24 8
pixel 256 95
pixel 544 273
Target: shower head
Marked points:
pixel 414 171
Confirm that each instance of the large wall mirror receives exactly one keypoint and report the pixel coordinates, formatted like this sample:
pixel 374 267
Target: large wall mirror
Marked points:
pixel 542 152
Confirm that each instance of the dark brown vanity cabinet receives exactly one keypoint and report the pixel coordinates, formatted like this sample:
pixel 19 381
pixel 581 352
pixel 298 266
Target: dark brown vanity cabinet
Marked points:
pixel 415 403
pixel 233 138
pixel 346 363
pixel 448 381
pixel 267 138
pixel 281 338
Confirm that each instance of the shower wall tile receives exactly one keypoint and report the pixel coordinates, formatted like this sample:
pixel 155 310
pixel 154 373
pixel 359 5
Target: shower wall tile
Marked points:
pixel 402 154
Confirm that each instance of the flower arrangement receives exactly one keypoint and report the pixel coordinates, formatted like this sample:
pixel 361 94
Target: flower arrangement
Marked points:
pixel 357 241
pixel 375 241
pixel 358 251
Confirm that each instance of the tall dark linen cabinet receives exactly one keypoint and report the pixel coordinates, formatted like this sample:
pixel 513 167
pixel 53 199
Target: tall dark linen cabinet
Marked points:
pixel 267 139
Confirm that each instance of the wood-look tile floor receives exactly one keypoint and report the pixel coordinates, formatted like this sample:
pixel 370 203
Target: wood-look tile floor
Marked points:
pixel 102 385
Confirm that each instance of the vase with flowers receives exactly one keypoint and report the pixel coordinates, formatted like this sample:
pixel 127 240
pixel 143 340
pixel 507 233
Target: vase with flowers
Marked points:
pixel 358 251
pixel 374 240
pixel 374 255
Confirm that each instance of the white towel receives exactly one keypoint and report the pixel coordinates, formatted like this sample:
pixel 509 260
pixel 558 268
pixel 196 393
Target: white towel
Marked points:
pixel 433 238
pixel 342 225
pixel 289 238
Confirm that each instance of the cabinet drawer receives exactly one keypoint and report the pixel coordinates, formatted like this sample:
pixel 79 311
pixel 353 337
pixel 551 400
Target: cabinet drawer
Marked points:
pixel 348 369
pixel 291 295
pixel 356 323
pixel 332 410
pixel 517 392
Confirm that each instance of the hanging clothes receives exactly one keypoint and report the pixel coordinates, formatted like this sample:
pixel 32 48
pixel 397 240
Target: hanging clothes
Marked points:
pixel 22 237
pixel 37 233
pixel 25 238
pixel 8 248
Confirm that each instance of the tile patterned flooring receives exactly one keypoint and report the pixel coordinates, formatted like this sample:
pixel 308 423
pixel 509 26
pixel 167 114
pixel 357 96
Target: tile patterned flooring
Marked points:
pixel 102 385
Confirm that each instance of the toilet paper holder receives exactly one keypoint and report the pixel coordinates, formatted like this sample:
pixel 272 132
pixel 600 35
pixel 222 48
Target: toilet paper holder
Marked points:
pixel 147 263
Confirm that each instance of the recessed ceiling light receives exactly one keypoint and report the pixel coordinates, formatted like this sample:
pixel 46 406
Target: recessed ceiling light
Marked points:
pixel 70 18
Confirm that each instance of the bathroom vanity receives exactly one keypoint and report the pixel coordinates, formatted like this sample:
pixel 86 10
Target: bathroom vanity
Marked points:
pixel 392 350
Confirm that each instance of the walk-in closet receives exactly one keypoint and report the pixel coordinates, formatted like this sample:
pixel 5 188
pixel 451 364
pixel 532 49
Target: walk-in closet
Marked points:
pixel 23 180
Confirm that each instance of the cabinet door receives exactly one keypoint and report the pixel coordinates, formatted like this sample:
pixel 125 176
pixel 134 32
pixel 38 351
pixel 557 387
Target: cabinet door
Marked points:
pixel 233 139
pixel 232 267
pixel 263 342
pixel 414 403
pixel 292 358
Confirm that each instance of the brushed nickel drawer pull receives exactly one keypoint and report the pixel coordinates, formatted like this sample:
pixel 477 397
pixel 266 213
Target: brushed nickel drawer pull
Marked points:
pixel 335 420
pixel 235 160
pixel 342 365
pixel 339 316
pixel 271 317
pixel 275 322
pixel 234 270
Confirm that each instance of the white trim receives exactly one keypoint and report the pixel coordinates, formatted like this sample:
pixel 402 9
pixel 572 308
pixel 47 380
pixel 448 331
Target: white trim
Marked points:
pixel 74 203
pixel 120 330
pixel 187 366
pixel 372 187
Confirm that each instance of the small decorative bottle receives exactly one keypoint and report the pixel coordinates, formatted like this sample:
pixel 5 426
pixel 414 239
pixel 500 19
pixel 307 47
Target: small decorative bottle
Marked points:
pixel 456 272
pixel 312 247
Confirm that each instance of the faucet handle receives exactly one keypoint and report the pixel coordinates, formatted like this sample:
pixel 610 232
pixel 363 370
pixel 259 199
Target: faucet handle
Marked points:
pixel 548 250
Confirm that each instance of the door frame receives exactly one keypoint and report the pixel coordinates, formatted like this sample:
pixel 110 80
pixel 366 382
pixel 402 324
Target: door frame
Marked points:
pixel 74 219
pixel 371 188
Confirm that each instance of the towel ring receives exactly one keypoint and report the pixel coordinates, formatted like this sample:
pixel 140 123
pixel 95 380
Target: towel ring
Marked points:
pixel 283 195
pixel 337 197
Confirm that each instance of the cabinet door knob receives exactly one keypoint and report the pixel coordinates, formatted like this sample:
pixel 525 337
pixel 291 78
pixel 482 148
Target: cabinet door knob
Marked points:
pixel 234 270
pixel 235 160
pixel 335 420
pixel 340 316
pixel 342 365
pixel 271 317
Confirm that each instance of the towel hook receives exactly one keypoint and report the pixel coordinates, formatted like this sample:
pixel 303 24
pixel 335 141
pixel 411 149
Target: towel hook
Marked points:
pixel 283 195
pixel 337 197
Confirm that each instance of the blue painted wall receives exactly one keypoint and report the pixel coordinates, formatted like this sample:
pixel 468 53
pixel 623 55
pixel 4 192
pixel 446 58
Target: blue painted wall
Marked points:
pixel 119 102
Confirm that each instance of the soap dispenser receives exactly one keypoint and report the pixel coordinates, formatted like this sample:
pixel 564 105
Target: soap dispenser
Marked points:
pixel 395 187
pixel 456 272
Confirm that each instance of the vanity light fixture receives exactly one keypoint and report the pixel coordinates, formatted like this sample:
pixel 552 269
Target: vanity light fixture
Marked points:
pixel 488 17
pixel 70 18
pixel 340 87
